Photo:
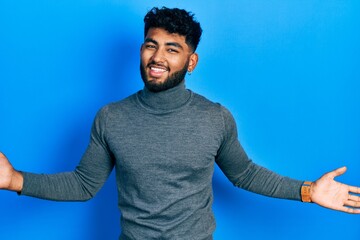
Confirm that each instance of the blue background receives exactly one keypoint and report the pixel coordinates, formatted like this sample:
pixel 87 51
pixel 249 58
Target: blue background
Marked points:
pixel 287 70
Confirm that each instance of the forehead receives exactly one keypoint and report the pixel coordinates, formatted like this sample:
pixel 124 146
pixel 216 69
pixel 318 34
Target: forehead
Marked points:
pixel 161 36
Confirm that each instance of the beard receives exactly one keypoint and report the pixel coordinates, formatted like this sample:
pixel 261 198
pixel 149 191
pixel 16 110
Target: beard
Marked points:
pixel 172 81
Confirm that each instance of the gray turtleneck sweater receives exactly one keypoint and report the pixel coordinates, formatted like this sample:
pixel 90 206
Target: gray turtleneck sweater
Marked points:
pixel 163 146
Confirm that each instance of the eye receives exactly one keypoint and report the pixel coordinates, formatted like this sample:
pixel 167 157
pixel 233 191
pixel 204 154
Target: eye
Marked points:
pixel 150 46
pixel 172 50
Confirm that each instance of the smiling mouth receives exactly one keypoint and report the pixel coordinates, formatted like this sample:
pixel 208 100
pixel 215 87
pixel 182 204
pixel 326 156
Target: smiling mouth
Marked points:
pixel 157 71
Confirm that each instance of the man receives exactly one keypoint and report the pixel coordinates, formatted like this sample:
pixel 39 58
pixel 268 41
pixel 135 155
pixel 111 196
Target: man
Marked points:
pixel 163 142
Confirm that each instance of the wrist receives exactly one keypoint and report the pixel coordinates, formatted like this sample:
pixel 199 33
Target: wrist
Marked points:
pixel 306 191
pixel 17 181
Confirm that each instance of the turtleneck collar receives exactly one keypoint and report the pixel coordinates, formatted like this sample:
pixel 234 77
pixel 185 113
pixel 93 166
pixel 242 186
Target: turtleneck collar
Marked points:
pixel 167 100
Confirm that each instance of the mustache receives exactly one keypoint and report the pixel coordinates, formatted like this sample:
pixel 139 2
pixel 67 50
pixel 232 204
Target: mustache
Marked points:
pixel 155 64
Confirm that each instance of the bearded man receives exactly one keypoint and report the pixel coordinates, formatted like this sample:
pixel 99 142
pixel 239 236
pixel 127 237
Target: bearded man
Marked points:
pixel 163 142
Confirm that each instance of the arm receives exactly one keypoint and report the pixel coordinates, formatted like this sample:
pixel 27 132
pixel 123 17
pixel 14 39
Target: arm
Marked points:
pixel 325 192
pixel 78 185
pixel 244 173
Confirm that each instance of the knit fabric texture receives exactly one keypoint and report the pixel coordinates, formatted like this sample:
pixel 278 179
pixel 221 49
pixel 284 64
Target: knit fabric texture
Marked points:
pixel 163 147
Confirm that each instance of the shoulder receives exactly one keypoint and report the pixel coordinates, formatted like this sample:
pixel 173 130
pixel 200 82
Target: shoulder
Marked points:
pixel 115 110
pixel 208 105
pixel 203 102
pixel 114 107
pixel 214 112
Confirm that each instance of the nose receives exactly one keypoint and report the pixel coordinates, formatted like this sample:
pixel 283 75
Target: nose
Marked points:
pixel 158 55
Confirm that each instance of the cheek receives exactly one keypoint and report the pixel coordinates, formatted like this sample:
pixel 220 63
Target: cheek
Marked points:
pixel 145 56
pixel 177 64
pixel 142 58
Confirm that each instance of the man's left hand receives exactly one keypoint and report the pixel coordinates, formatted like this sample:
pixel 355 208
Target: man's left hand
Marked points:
pixel 335 195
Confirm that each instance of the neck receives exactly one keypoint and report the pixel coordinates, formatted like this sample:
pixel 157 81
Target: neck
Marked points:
pixel 170 99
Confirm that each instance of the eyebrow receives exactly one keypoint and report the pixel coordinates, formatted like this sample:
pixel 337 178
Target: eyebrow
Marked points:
pixel 173 44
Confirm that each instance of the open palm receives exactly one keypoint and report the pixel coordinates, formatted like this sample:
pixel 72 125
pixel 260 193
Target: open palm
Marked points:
pixel 335 195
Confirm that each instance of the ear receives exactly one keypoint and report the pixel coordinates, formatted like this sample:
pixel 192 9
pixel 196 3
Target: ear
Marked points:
pixel 193 60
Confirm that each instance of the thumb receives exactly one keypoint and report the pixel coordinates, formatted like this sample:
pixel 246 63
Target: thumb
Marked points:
pixel 336 172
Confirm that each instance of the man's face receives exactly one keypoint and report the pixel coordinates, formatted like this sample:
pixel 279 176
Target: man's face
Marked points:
pixel 165 59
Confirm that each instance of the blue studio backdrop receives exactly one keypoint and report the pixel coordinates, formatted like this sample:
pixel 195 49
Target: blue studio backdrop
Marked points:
pixel 287 70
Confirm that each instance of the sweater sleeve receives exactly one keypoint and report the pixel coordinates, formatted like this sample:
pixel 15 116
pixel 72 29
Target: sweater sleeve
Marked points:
pixel 243 173
pixel 87 178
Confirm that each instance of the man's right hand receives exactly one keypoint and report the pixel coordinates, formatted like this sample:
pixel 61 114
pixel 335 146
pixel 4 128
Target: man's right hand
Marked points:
pixel 10 179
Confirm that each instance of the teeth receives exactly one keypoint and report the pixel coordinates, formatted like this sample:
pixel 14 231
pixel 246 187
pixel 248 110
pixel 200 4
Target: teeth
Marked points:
pixel 158 69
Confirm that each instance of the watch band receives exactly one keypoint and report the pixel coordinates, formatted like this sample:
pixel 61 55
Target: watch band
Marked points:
pixel 305 192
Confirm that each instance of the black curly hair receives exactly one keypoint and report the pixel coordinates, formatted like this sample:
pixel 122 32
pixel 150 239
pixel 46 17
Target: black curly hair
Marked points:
pixel 174 20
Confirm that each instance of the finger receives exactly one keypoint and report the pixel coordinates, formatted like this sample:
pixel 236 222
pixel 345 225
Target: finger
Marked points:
pixel 350 210
pixel 354 198
pixel 336 172
pixel 350 203
pixel 354 189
